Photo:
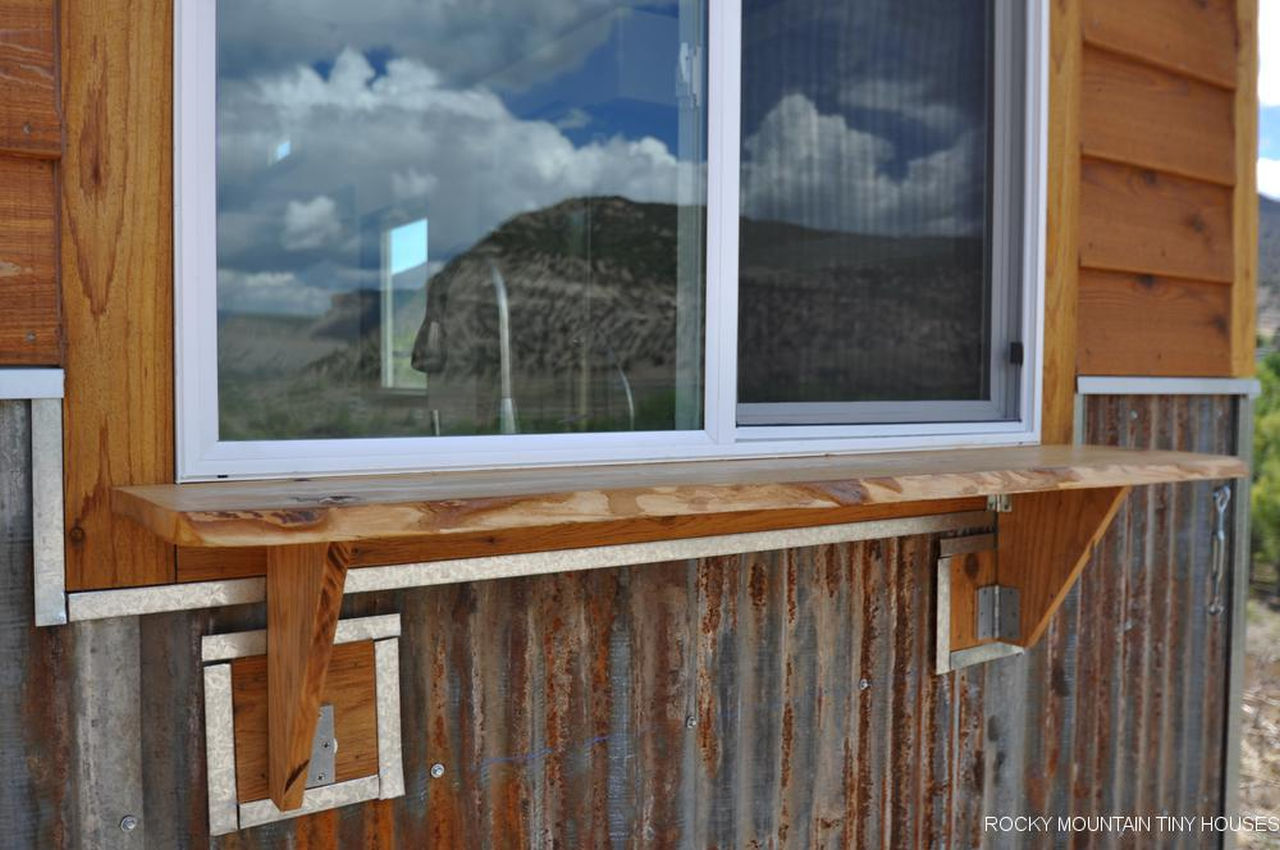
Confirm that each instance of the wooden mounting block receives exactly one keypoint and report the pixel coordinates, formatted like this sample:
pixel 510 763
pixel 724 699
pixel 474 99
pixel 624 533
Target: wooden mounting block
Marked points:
pixel 1036 556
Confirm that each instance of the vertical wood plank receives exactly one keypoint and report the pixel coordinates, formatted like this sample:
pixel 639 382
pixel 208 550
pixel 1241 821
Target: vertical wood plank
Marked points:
pixel 30 123
pixel 28 261
pixel 117 286
pixel 1245 197
pixel 304 595
pixel 1062 245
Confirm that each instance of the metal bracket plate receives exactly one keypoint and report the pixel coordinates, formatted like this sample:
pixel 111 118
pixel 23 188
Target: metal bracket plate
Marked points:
pixel 324 750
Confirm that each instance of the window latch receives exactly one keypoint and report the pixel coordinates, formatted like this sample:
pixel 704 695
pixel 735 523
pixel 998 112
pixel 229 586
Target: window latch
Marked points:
pixel 1015 353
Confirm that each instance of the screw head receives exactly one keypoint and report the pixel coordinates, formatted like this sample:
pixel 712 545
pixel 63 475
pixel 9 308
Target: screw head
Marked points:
pixel 864 684
pixel 319 777
pixel 690 722
pixel 128 823
pixel 437 770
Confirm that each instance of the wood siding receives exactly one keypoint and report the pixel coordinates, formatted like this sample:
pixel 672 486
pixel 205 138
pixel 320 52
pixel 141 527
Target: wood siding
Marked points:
pixel 1167 197
pixel 30 143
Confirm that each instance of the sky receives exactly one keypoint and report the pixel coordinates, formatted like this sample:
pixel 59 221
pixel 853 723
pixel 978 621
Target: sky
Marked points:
pixel 1269 98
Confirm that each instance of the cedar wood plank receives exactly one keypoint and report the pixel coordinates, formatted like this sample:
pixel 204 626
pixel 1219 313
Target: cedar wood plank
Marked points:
pixel 1145 116
pixel 1148 222
pixel 1193 37
pixel 1245 199
pixel 432 504
pixel 29 333
pixel 1119 337
pixel 30 120
pixel 117 280
pixel 1061 240
pixel 304 595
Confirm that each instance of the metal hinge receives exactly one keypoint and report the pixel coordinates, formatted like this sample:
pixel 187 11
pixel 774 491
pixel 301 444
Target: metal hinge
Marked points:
pixel 689 76
pixel 324 750
pixel 1001 503
pixel 999 613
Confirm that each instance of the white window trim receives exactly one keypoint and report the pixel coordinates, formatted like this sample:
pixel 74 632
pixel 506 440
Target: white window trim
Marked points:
pixel 202 456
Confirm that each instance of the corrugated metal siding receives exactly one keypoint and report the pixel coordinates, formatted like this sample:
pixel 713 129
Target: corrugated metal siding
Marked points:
pixel 777 700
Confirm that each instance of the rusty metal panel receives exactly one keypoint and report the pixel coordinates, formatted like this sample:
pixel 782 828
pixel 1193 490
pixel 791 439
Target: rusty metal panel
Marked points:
pixel 780 699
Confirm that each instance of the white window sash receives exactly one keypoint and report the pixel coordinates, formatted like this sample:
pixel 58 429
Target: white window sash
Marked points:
pixel 202 456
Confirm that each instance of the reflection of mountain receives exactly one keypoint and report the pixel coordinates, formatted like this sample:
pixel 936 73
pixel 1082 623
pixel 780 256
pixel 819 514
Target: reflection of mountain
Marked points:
pixel 592 286
pixel 887 317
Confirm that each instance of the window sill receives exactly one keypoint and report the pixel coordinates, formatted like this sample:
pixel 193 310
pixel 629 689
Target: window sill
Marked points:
pixel 744 493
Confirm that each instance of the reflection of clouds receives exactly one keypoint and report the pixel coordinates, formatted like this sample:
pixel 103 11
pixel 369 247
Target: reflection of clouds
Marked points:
pixel 269 292
pixel 815 170
pixel 473 39
pixel 909 98
pixel 310 224
pixel 405 144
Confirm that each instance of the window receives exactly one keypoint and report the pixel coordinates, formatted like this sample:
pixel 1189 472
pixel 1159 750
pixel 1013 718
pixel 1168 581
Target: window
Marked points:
pixel 429 234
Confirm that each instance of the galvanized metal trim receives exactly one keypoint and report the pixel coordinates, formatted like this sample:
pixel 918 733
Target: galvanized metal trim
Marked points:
pixel 387 685
pixel 964 545
pixel 131 601
pixel 982 654
pixel 220 749
pixel 23 384
pixel 479 569
pixel 942 627
pixel 97 604
pixel 244 644
pixel 1240 568
pixel 314 800
pixel 47 516
pixel 1104 385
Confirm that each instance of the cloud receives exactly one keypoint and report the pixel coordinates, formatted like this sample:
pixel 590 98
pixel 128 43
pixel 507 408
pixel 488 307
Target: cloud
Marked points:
pixel 813 169
pixel 1269 177
pixel 310 224
pixel 906 97
pixel 1268 56
pixel 399 145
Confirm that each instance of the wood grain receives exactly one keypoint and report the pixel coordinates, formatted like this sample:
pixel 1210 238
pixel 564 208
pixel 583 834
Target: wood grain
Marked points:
pixel 200 564
pixel 1192 37
pixel 969 571
pixel 304 595
pixel 1044 543
pixel 1062 255
pixel 30 123
pixel 29 333
pixel 117 286
pixel 1138 114
pixel 1146 222
pixel 269 513
pixel 1145 325
pixel 1245 197
pixel 349 688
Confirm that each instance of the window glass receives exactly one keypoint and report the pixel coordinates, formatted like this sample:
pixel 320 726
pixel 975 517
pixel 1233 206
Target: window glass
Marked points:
pixel 459 218
pixel 866 258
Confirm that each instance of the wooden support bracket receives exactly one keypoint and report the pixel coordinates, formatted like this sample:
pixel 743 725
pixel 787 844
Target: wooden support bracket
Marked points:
pixel 1032 562
pixel 304 595
pixel 1044 543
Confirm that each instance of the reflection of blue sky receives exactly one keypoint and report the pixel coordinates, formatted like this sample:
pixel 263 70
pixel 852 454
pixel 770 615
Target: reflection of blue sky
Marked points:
pixel 453 112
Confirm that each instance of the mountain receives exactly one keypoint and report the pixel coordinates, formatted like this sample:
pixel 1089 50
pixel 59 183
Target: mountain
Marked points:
pixel 1268 267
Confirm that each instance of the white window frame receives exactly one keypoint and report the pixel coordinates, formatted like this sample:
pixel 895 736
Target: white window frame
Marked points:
pixel 201 455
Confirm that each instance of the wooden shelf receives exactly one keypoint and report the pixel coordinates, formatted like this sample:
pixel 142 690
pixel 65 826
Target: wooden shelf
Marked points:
pixel 325 510
pixel 310 529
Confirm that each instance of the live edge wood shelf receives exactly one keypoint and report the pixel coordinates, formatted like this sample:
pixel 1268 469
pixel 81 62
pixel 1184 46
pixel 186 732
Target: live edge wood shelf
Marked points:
pixel 310 528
